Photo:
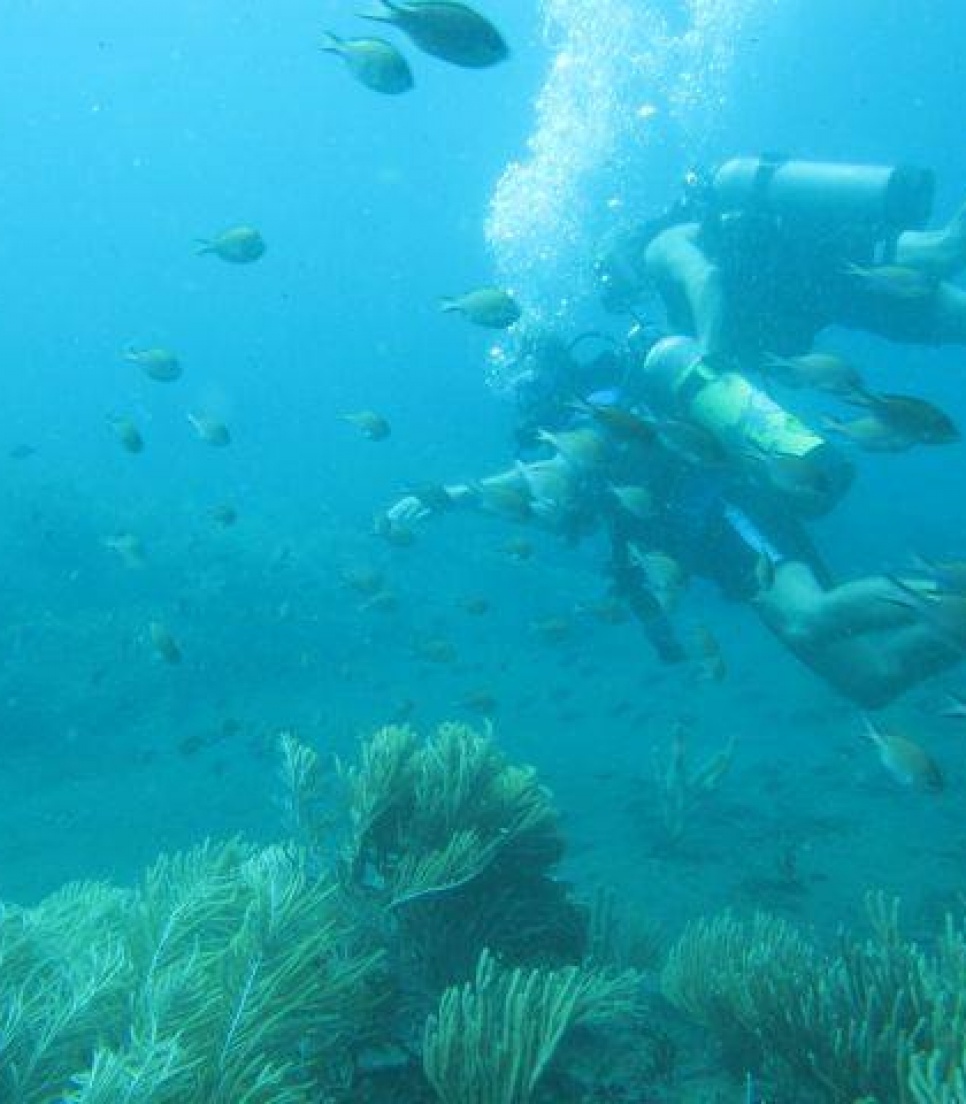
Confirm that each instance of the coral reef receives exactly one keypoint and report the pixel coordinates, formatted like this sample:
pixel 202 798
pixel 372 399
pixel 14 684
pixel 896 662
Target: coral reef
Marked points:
pixel 302 972
pixel 493 1038
pixel 227 975
pixel 411 942
pixel 452 849
pixel 882 1018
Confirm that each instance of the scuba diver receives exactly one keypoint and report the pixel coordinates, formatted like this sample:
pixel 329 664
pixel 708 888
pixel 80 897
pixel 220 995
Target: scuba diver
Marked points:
pixel 668 445
pixel 666 493
pixel 761 255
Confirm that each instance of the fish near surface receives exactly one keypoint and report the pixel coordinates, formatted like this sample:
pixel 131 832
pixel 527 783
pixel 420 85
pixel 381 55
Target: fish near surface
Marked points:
pixel 490 307
pixel 239 245
pixel 374 63
pixel 907 761
pixel 449 31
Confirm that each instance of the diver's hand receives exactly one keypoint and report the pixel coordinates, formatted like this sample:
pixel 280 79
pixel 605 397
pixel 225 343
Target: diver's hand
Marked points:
pixel 407 511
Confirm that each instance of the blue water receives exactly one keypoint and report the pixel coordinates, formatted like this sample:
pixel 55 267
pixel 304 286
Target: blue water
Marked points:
pixel 129 130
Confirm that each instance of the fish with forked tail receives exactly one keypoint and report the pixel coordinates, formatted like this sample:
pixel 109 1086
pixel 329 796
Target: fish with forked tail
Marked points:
pixel 374 63
pixel 446 30
pixel 908 762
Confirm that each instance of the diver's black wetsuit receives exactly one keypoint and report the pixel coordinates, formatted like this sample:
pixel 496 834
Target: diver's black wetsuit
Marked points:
pixel 714 526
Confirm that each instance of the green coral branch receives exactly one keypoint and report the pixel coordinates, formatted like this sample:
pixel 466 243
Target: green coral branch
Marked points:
pixel 492 1039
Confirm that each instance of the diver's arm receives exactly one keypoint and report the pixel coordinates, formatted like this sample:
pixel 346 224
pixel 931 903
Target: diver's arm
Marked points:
pixel 687 278
pixel 414 508
pixel 441 499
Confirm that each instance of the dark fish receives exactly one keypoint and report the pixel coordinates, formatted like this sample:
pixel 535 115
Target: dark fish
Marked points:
pixel 620 423
pixel 373 62
pixel 909 416
pixel 449 31
pixel 21 452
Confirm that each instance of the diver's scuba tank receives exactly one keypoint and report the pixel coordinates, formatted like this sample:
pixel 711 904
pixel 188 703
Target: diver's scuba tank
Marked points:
pixel 678 382
pixel 892 198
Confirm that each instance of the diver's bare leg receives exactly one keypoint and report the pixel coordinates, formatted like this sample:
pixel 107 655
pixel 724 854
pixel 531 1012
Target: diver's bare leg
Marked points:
pixel 798 605
pixel 868 647
pixel 874 670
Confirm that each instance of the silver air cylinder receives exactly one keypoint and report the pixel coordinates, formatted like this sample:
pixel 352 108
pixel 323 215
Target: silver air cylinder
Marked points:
pixel 892 197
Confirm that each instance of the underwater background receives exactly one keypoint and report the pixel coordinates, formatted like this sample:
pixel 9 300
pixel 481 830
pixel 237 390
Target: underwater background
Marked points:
pixel 128 131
